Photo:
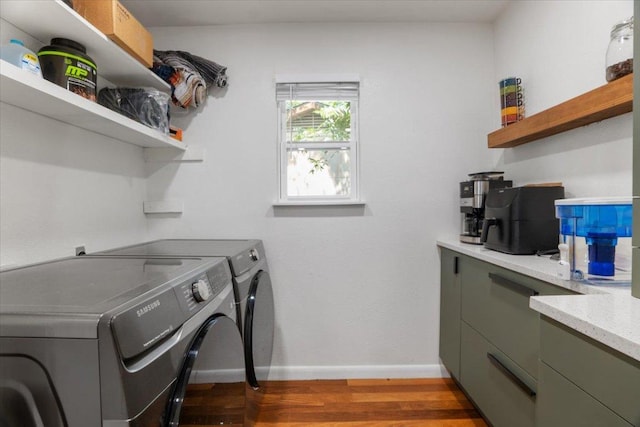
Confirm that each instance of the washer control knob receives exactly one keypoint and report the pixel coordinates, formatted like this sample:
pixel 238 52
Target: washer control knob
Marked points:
pixel 254 255
pixel 200 290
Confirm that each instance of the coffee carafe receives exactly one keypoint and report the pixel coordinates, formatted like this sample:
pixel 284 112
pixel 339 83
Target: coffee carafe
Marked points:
pixel 472 202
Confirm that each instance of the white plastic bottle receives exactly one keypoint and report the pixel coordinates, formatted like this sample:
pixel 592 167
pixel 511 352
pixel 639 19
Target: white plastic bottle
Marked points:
pixel 18 55
pixel 564 267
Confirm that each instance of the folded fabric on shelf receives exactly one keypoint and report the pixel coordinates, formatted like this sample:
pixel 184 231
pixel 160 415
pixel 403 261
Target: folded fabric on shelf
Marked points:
pixel 189 75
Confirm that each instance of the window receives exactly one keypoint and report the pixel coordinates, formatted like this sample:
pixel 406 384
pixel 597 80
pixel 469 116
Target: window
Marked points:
pixel 318 141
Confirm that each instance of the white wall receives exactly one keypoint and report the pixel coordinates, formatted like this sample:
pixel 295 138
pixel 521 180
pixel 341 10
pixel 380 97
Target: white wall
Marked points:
pixel 61 186
pixel 357 291
pixel 558 49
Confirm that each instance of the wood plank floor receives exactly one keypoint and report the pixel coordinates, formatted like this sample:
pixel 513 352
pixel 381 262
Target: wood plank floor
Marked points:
pixel 337 403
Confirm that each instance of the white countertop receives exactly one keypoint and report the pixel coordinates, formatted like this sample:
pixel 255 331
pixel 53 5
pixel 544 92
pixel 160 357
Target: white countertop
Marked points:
pixel 608 314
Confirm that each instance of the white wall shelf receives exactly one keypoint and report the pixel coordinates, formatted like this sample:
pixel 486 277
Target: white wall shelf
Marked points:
pixel 53 18
pixel 27 91
pixel 163 207
pixel 46 19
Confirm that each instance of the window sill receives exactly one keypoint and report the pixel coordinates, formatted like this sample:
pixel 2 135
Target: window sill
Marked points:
pixel 320 203
pixel 319 208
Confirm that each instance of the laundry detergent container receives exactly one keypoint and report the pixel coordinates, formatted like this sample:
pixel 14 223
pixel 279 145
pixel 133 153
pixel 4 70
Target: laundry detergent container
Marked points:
pixel 597 232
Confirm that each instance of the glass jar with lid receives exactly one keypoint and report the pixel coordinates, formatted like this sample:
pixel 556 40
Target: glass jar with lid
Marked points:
pixel 619 60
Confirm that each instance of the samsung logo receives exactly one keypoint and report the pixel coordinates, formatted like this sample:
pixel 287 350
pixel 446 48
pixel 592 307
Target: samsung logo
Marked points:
pixel 147 308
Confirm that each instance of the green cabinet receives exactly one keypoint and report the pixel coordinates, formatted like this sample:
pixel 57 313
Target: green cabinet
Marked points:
pixel 450 311
pixel 523 369
pixel 563 404
pixel 501 341
pixel 489 337
pixel 504 393
pixel 495 302
pixel 635 290
pixel 605 376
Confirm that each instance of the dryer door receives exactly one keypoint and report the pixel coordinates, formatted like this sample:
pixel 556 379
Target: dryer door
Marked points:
pixel 28 397
pixel 258 329
pixel 215 360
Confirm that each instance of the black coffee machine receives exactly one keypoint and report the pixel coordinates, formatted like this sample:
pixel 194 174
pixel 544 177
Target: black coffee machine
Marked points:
pixel 473 194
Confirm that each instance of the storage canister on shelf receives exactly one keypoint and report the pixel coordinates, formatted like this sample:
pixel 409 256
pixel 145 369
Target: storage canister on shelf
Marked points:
pixel 66 63
pixel 17 54
pixel 619 59
pixel 511 100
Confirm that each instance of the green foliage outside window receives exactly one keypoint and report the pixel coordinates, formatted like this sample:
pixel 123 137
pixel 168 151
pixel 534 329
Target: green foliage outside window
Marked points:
pixel 310 121
pixel 313 121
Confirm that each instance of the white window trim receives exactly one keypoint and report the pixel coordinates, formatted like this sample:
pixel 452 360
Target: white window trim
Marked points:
pixel 354 198
pixel 318 78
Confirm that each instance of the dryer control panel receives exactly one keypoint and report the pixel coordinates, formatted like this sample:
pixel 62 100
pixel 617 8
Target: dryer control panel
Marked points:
pixel 204 288
pixel 156 317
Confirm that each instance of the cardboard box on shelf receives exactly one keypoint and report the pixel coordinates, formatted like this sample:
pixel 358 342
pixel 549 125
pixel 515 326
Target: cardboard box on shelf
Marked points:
pixel 117 23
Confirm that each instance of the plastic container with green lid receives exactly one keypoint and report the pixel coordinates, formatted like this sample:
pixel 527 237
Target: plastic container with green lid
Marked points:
pixel 65 62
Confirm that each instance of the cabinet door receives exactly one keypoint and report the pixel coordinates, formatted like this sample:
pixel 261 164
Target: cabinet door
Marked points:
pixel 609 376
pixel 450 311
pixel 503 392
pixel 562 404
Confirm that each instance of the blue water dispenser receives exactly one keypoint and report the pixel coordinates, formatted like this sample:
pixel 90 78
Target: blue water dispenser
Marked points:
pixel 595 234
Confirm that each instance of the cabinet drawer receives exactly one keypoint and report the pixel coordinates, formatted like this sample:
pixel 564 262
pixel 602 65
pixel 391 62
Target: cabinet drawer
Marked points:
pixel 495 302
pixel 609 376
pixel 562 404
pixel 503 399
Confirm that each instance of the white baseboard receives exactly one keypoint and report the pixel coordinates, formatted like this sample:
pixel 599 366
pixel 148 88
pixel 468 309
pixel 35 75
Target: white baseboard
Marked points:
pixel 343 372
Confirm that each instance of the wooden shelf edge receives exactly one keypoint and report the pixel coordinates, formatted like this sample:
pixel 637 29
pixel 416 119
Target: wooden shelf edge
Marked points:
pixel 607 101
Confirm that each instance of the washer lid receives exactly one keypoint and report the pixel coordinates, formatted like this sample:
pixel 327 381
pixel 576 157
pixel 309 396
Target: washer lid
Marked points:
pixel 184 247
pixel 68 297
pixel 242 254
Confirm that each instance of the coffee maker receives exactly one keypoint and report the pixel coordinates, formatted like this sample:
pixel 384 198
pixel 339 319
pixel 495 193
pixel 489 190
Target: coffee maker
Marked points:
pixel 473 194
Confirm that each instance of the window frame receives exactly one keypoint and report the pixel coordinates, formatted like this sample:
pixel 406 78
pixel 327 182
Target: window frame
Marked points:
pixel 284 147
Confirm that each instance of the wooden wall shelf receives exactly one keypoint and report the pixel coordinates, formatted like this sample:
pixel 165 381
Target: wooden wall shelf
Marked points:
pixel 613 99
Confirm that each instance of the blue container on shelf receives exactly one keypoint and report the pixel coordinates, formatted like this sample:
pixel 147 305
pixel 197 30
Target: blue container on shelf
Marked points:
pixel 597 232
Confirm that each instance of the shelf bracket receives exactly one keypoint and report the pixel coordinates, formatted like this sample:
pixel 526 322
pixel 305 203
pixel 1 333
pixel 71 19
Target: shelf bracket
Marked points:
pixel 170 155
pixel 163 207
